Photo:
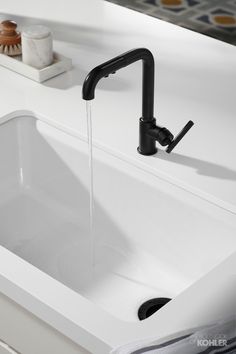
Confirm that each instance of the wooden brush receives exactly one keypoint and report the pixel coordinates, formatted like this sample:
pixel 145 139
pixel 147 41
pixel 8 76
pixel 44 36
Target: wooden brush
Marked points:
pixel 10 39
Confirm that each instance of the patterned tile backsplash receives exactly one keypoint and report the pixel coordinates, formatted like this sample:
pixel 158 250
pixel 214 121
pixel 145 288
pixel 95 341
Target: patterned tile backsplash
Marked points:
pixel 215 18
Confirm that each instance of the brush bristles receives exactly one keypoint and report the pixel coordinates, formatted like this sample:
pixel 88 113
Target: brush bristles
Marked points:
pixel 10 50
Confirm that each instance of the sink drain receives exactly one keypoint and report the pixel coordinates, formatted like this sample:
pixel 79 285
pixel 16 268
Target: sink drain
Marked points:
pixel 149 307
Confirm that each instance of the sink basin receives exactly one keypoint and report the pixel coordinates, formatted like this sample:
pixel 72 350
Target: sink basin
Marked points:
pixel 150 238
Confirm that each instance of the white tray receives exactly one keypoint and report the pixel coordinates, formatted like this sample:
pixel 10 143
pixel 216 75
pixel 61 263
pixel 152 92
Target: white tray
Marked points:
pixel 59 66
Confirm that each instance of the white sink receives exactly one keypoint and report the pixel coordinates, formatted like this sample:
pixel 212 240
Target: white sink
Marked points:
pixel 152 239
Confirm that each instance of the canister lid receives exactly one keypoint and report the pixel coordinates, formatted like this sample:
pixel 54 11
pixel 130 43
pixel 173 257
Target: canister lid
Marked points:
pixel 36 32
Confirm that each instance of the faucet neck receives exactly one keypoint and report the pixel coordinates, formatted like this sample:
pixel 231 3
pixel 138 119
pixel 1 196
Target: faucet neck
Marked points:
pixel 148 88
pixel 122 61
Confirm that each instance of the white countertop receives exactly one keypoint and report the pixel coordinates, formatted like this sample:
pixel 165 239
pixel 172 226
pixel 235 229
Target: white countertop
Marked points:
pixel 195 79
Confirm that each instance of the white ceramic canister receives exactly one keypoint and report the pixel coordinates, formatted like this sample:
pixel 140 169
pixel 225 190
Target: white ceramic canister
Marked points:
pixel 37 46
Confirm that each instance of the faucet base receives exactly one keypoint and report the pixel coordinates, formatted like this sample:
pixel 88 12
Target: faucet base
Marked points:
pixel 146 153
pixel 147 143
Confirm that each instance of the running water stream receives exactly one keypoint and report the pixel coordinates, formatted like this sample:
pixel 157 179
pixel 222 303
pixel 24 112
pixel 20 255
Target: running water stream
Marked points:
pixel 91 197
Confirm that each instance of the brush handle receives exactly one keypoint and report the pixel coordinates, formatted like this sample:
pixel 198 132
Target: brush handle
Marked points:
pixel 8 28
pixel 8 34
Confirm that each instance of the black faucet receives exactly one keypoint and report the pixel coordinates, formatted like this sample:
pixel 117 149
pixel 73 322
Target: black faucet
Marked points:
pixel 149 132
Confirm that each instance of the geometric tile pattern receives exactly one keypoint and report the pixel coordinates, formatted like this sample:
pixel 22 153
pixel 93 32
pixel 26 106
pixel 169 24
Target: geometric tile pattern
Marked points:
pixel 215 18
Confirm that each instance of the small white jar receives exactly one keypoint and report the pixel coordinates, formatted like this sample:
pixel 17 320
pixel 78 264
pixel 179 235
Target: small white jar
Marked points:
pixel 37 46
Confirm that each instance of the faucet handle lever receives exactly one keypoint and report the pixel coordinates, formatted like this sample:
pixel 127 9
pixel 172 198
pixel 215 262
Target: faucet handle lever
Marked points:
pixel 179 137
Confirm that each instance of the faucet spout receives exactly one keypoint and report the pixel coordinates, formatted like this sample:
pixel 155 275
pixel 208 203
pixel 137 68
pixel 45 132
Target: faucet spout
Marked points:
pixel 149 132
pixel 119 62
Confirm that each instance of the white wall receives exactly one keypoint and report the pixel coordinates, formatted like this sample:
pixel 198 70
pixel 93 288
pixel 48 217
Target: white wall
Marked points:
pixel 80 12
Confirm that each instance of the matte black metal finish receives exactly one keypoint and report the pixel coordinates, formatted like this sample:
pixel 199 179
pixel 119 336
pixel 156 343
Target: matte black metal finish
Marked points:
pixel 180 136
pixel 148 308
pixel 149 132
pixel 147 144
pixel 117 63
